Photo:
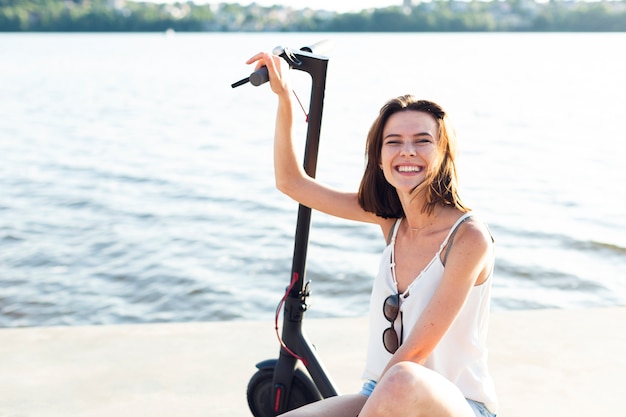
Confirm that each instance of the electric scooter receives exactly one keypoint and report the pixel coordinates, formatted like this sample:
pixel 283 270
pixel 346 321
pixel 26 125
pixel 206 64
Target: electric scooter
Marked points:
pixel 297 377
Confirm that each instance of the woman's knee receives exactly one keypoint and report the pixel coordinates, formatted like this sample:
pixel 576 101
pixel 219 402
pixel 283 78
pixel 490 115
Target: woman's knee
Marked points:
pixel 404 373
pixel 408 385
pixel 414 380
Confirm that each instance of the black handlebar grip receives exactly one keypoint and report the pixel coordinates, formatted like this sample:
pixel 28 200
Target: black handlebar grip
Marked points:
pixel 259 77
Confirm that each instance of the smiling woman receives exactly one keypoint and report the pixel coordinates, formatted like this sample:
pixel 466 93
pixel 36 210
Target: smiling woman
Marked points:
pixel 429 356
pixel 407 126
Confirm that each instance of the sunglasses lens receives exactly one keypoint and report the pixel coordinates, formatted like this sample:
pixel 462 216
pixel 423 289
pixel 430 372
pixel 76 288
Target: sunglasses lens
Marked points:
pixel 390 340
pixel 391 307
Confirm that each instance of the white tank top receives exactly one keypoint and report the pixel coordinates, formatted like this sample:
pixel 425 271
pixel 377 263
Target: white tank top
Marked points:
pixel 461 355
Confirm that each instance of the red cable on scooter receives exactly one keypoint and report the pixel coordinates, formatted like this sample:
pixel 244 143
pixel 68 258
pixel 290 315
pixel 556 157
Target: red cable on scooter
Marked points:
pixel 294 280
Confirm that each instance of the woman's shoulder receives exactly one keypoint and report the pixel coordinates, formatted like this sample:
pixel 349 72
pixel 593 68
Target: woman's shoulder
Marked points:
pixel 476 227
pixel 470 241
pixel 469 230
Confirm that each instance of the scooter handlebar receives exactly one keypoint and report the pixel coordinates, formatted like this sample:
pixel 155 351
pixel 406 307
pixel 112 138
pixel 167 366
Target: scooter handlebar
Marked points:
pixel 261 75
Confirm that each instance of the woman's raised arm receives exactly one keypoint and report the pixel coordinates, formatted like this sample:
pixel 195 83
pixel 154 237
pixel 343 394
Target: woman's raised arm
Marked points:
pixel 291 178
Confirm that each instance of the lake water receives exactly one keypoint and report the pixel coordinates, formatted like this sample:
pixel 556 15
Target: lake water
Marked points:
pixel 137 186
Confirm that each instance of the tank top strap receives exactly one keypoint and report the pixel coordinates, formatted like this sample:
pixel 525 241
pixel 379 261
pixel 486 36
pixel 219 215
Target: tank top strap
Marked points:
pixel 394 231
pixel 453 230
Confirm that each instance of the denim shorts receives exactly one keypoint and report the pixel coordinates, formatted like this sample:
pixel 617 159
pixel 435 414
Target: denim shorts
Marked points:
pixel 478 408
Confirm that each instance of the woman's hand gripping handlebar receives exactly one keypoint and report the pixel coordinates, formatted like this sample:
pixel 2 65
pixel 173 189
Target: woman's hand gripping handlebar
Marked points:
pixel 261 74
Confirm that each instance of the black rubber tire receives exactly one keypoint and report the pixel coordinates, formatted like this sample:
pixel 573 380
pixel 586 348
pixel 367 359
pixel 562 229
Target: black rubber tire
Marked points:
pixel 260 393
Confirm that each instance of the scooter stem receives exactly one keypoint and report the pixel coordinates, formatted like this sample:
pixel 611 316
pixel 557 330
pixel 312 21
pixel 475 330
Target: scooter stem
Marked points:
pixel 296 302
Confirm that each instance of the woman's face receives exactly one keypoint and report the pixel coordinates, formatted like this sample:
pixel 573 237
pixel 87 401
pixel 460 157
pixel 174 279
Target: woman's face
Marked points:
pixel 409 149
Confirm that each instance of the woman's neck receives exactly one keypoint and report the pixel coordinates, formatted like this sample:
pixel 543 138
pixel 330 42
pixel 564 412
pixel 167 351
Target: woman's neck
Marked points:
pixel 419 220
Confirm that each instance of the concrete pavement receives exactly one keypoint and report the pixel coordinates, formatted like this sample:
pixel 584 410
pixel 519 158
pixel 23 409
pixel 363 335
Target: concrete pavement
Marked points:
pixel 552 363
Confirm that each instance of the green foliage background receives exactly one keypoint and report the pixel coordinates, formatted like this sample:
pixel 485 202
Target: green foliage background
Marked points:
pixel 431 16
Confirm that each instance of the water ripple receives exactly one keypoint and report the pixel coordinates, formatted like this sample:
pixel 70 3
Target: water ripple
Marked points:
pixel 123 202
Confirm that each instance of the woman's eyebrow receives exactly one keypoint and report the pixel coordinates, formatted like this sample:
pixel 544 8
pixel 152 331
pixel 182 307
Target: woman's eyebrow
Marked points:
pixel 397 135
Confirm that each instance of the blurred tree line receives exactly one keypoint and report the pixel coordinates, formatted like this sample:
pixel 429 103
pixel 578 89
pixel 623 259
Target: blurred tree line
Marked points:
pixel 430 16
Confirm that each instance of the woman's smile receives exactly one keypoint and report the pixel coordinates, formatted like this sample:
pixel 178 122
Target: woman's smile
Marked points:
pixel 409 169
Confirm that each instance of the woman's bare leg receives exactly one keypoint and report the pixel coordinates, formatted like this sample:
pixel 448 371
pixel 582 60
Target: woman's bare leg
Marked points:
pixel 340 406
pixel 410 390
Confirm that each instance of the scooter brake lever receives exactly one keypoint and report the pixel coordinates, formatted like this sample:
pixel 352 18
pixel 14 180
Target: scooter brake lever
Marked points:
pixel 288 55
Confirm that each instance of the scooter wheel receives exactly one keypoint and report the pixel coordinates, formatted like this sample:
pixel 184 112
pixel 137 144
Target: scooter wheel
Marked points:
pixel 260 393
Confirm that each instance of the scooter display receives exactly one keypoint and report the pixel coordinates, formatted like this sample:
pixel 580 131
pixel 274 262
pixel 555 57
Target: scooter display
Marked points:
pixel 297 377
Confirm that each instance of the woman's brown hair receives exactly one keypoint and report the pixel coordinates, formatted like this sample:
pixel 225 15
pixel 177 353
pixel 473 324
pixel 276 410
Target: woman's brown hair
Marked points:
pixel 376 195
